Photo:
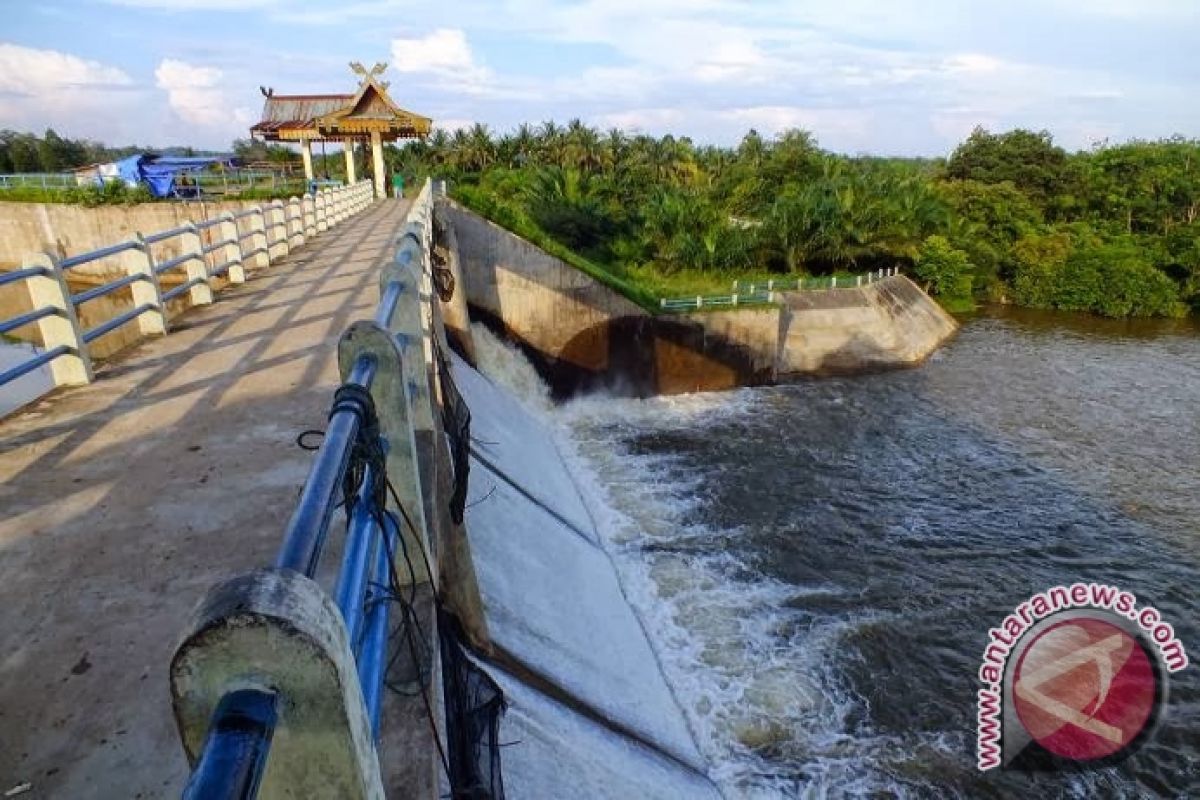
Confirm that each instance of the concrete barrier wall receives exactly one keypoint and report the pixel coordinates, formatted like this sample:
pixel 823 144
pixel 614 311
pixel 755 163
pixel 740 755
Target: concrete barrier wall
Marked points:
pixel 585 336
pixel 891 323
pixel 64 230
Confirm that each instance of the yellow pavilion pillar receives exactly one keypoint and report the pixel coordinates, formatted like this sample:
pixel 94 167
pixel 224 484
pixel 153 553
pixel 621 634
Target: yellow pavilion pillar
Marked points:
pixel 306 154
pixel 348 144
pixel 377 164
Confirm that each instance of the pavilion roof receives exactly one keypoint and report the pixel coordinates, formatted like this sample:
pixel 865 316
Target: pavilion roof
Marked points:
pixel 298 111
pixel 367 111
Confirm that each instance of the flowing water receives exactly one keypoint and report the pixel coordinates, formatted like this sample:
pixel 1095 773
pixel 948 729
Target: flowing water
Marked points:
pixel 818 563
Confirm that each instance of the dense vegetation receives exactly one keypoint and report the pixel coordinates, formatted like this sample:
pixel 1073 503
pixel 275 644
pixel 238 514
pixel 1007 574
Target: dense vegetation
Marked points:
pixel 1010 216
pixel 27 152
pixel 51 153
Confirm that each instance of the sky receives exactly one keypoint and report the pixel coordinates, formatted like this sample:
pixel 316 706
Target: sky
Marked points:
pixel 890 77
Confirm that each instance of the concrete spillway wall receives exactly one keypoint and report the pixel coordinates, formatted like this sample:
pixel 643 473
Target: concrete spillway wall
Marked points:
pixel 584 335
pixel 886 324
pixel 588 704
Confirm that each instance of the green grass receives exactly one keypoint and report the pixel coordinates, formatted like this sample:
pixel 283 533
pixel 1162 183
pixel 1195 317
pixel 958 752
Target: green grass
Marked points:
pixel 956 305
pixel 640 293
pixel 115 193
pixel 112 193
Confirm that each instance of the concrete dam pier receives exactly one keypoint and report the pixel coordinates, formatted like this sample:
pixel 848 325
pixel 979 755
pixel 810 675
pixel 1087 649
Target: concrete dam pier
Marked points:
pixel 585 336
pixel 421 605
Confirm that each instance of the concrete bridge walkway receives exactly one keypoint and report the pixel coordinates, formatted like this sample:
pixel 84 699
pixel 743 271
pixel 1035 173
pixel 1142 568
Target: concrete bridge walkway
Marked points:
pixel 124 501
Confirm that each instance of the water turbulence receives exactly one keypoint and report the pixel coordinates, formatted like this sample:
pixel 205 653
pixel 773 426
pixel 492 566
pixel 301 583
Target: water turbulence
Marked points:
pixel 818 564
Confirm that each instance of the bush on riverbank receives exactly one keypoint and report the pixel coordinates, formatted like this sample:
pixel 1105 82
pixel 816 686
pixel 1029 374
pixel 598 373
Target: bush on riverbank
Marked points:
pixel 662 216
pixel 112 193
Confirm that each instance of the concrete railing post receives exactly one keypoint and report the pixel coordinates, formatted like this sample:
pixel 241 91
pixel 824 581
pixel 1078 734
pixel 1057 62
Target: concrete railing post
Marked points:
pixel 232 251
pixel 331 218
pixel 295 222
pixel 258 229
pixel 320 211
pixel 277 227
pixel 146 291
pixel 405 323
pixel 278 632
pixel 308 216
pixel 62 329
pixel 196 268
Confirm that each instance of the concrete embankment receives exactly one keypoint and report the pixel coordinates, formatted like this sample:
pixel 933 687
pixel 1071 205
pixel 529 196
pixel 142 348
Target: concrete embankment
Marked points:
pixel 587 700
pixel 584 335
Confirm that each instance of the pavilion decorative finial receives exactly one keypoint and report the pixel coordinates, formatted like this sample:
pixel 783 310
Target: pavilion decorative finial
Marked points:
pixel 358 69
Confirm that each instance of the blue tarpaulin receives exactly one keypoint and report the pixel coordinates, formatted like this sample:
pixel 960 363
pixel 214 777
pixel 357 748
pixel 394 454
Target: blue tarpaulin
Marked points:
pixel 159 172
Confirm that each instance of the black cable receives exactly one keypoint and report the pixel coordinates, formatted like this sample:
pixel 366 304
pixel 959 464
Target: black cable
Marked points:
pixel 410 612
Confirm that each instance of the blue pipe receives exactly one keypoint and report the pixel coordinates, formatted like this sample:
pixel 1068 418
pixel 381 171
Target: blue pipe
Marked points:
pixel 387 303
pixel 304 537
pixel 372 660
pixel 357 563
pixel 234 755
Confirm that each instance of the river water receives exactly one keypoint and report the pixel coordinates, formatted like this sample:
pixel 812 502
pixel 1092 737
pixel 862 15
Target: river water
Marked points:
pixel 818 563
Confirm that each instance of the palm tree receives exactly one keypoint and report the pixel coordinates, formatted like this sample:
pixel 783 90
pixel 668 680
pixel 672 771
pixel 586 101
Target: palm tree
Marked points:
pixel 481 151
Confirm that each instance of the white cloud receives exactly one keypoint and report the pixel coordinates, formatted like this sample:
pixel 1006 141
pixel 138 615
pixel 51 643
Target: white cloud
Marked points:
pixel 28 71
pixel 78 97
pixel 197 5
pixel 198 96
pixel 973 62
pixel 642 120
pixel 445 55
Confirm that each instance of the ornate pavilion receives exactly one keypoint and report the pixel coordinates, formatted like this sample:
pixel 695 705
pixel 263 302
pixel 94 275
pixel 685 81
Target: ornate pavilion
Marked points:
pixel 367 115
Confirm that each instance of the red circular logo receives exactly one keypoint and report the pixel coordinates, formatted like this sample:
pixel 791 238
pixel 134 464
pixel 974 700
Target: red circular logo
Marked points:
pixel 1084 689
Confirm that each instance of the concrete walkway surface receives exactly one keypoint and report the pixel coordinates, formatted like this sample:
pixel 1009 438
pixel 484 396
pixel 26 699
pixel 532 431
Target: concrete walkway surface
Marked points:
pixel 122 502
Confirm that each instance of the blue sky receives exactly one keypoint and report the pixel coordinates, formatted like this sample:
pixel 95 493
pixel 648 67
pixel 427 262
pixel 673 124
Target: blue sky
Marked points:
pixel 880 76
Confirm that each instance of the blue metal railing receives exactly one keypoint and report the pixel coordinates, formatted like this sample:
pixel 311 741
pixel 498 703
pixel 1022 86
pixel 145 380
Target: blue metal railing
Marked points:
pixel 363 592
pixel 235 750
pixel 298 218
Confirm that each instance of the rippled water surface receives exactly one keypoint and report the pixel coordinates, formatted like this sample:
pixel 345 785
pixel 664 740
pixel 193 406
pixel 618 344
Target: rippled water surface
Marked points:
pixel 819 563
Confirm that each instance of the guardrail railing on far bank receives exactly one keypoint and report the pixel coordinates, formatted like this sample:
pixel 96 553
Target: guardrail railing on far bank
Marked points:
pixel 257 235
pixel 757 293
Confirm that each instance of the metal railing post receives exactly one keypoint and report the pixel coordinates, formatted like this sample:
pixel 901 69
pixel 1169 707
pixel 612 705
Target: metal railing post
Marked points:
pixel 196 268
pixel 73 368
pixel 146 291
pixel 236 271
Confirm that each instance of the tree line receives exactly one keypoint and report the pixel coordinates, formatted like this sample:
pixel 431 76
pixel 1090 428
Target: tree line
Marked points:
pixel 1006 217
pixel 50 152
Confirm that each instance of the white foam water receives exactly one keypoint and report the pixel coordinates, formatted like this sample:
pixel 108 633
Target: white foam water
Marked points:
pixel 754 684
